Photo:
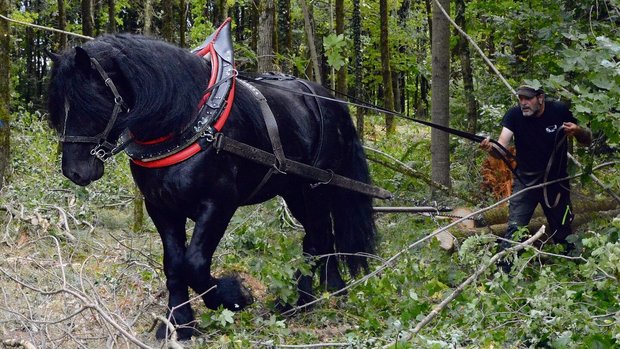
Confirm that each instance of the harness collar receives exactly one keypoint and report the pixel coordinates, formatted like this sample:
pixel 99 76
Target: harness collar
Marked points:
pixel 213 109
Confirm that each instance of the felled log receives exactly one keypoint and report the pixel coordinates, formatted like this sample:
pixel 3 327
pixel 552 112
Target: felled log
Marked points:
pixel 535 224
pixel 499 215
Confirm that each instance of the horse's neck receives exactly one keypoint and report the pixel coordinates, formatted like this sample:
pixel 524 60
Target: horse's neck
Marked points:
pixel 176 108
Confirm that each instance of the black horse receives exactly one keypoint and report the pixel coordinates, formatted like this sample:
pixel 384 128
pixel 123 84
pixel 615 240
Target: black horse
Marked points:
pixel 120 85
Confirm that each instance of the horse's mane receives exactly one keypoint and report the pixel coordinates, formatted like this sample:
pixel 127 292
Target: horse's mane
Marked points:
pixel 162 83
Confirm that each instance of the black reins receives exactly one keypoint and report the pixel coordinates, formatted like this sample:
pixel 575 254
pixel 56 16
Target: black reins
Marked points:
pixel 504 154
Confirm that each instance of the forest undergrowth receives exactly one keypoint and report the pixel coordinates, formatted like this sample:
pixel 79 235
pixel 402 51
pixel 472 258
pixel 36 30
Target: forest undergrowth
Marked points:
pixel 74 275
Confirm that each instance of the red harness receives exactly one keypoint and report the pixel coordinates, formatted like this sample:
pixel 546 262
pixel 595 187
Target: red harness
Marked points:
pixel 196 147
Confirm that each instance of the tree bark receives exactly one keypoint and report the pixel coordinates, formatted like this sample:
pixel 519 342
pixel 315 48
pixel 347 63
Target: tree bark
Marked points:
pixel 341 74
pixel 466 68
pixel 356 25
pixel 168 18
pixel 264 49
pixel 88 22
pixel 499 215
pixel 5 139
pixel 222 11
pixel 440 98
pixel 285 34
pixel 536 222
pixel 316 71
pixel 61 39
pixel 182 23
pixel 388 91
pixel 148 17
pixel 111 16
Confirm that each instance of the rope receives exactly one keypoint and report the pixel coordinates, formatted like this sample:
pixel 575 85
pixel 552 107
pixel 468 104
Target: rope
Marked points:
pixel 46 28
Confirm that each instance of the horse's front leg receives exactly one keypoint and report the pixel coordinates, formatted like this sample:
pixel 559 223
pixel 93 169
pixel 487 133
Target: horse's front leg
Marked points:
pixel 208 231
pixel 171 228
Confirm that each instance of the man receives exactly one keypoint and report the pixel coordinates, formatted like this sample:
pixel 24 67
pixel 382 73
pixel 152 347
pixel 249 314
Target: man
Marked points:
pixel 540 129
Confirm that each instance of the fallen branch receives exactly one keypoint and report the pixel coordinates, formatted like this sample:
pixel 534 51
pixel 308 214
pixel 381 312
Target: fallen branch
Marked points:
pixel 170 343
pixel 18 343
pixel 595 179
pixel 439 307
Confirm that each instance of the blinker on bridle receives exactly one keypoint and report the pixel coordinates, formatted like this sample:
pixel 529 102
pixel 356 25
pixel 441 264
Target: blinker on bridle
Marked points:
pixel 103 149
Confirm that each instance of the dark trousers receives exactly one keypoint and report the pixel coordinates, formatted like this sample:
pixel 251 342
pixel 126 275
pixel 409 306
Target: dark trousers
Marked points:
pixel 559 216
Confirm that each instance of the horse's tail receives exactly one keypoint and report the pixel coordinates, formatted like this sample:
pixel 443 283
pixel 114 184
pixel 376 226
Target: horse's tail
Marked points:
pixel 352 212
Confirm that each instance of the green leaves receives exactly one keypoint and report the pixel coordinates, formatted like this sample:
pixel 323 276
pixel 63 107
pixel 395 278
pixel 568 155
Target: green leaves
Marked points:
pixel 334 46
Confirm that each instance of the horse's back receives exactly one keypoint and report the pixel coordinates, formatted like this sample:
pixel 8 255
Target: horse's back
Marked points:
pixel 314 128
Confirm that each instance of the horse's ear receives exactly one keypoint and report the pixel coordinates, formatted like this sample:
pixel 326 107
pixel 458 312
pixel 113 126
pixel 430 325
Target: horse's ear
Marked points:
pixel 53 56
pixel 82 59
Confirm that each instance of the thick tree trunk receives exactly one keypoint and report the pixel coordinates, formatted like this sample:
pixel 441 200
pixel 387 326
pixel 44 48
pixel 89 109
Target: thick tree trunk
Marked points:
pixel 5 139
pixel 168 18
pixel 440 98
pixel 499 215
pixel 148 17
pixel 111 16
pixel 61 39
pixel 222 11
pixel 285 34
pixel 581 218
pixel 388 91
pixel 88 22
pixel 310 38
pixel 264 50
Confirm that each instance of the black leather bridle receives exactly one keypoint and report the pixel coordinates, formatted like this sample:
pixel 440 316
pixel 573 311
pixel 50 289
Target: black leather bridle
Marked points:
pixel 103 149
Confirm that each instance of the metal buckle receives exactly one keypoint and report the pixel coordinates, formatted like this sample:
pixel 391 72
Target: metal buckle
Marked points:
pixel 100 153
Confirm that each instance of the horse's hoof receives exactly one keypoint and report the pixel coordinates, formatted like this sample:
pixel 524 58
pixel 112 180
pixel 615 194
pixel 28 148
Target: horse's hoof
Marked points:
pixel 229 293
pixel 183 333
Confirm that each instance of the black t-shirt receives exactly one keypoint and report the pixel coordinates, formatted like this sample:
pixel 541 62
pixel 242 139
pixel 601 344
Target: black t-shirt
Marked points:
pixel 537 137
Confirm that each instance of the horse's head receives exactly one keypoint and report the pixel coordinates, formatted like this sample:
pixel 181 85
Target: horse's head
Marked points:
pixel 86 109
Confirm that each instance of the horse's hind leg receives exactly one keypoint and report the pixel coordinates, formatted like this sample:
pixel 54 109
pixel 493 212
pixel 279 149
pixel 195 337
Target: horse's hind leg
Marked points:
pixel 312 211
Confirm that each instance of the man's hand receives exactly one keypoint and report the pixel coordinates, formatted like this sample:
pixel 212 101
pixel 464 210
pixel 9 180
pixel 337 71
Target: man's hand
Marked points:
pixel 571 129
pixel 486 144
pixel 581 134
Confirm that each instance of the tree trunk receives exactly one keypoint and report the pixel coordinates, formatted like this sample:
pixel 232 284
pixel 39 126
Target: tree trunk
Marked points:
pixel 581 218
pixel 341 74
pixel 440 96
pixel 148 17
pixel 88 22
pixel 285 34
pixel 310 37
pixel 468 76
pixel 138 210
pixel 61 39
pixel 111 16
pixel 182 23
pixel 356 25
pixel 222 11
pixel 264 49
pixel 388 91
pixel 499 215
pixel 168 18
pixel 5 139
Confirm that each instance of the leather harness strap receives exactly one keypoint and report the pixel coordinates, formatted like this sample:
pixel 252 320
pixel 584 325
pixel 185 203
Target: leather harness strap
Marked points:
pixel 279 163
pixel 227 144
